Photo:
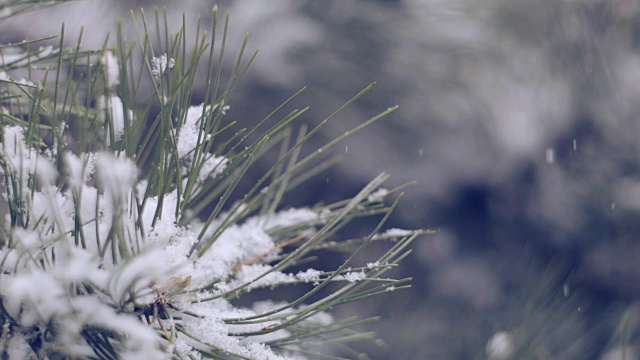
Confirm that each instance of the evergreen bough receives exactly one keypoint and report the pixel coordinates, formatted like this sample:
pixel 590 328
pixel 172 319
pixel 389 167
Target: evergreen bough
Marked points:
pixel 120 236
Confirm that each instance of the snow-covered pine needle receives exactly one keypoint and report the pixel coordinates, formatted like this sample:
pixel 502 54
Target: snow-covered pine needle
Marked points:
pixel 121 239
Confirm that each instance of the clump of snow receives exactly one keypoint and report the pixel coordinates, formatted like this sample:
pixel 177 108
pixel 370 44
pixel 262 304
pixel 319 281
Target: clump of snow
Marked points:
pixel 112 110
pixel 378 195
pixel 254 274
pixel 33 296
pixel 17 57
pixel 117 175
pixel 239 243
pixel 79 169
pixel 309 275
pixel 159 65
pixel 112 69
pixel 284 218
pixel 21 82
pixel 191 136
pixel 235 245
pixel 372 265
pixel 18 348
pixel 352 276
pixel 138 273
pixel 25 82
pixel 22 163
pixel 20 159
pixel 394 232
pixel 190 130
pixel 212 167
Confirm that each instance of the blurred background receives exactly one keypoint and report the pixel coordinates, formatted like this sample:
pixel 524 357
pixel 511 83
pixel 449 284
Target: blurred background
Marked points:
pixel 519 121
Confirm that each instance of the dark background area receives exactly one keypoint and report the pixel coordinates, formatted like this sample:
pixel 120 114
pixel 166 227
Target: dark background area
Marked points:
pixel 519 121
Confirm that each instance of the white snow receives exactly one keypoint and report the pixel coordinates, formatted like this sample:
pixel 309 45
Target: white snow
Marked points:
pixel 87 233
pixel 79 169
pixel 117 174
pixel 18 348
pixel 190 130
pixel 187 141
pixel 378 195
pixel 112 110
pixel 159 65
pixel 500 346
pixel 352 276
pixel 394 232
pixel 112 69
pixel 138 273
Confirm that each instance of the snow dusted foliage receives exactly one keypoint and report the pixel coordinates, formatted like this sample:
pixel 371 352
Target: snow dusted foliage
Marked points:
pixel 81 266
pixel 130 246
